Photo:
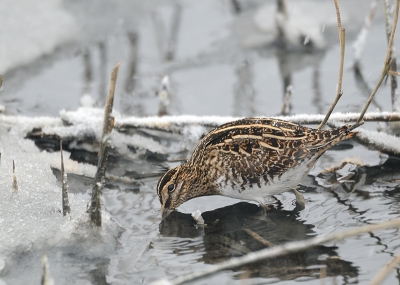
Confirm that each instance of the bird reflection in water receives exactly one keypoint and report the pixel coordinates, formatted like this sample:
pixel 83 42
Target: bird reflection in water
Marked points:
pixel 242 228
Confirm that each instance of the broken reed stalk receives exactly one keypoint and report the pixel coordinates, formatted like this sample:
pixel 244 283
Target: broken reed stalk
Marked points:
pixel 64 186
pixel 259 238
pixel 14 180
pixel 173 38
pixel 46 279
pixel 108 125
pixel 286 104
pixel 393 67
pixel 384 272
pixel 290 247
pixel 385 70
pixel 339 92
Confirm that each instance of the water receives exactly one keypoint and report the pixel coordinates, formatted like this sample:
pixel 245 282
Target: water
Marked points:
pixel 212 71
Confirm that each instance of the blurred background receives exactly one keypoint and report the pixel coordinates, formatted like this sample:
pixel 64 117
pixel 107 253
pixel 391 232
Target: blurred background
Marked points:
pixel 224 57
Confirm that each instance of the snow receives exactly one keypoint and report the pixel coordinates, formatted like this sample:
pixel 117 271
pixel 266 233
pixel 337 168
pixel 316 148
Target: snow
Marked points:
pixel 197 217
pixel 32 29
pixel 72 166
pixel 32 220
pixel 379 140
pixel 170 122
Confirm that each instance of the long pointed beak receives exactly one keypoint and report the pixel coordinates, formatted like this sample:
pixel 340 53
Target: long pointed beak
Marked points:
pixel 164 212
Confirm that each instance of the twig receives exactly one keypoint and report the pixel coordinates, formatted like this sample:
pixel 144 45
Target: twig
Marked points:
pixel 386 67
pixel 176 21
pixel 393 67
pixel 1 81
pixel 284 249
pixel 133 62
pixel 342 39
pixel 64 187
pixel 393 72
pixel 46 279
pixel 383 273
pixel 286 104
pixel 259 238
pixel 14 180
pixel 108 125
pixel 164 96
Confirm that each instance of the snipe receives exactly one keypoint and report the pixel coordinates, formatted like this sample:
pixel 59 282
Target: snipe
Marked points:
pixel 249 159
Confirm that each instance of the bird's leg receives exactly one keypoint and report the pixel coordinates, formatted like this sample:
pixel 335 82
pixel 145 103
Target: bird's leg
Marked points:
pixel 300 201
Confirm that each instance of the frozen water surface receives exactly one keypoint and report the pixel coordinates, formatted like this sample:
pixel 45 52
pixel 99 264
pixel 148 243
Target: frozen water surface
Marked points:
pixel 223 63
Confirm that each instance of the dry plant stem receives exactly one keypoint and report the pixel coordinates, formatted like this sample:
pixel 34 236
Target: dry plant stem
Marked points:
pixel 108 124
pixel 64 187
pixel 392 72
pixel 284 249
pixel 393 67
pixel 342 37
pixel 14 180
pixel 176 21
pixel 285 108
pixel 46 280
pixel 386 66
pixel 384 272
pixel 259 238
pixel 1 81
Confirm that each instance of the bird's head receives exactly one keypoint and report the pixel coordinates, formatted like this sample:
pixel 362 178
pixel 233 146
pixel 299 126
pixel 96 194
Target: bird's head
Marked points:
pixel 172 188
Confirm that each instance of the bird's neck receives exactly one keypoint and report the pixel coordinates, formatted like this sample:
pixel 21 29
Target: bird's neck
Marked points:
pixel 201 184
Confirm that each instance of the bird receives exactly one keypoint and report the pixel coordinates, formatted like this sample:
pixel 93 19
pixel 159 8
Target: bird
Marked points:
pixel 249 159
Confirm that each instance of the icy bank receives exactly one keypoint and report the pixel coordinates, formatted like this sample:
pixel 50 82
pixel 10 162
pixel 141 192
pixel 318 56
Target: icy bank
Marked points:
pixel 31 220
pixel 31 29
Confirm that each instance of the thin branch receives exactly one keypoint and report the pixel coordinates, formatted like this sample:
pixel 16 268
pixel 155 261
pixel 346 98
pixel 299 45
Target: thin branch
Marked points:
pixel 173 38
pixel 14 180
pixel 395 73
pixel 64 187
pixel 286 104
pixel 384 272
pixel 386 67
pixel 259 238
pixel 46 279
pixel 393 68
pixel 108 125
pixel 342 39
pixel 290 247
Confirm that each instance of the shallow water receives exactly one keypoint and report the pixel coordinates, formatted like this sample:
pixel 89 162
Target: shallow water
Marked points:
pixel 211 73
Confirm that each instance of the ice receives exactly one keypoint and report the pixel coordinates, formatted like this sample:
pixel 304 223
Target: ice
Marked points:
pixel 32 29
pixel 31 220
pixel 197 217
pixel 71 166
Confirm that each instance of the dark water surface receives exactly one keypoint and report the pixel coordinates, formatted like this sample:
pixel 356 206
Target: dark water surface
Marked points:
pixel 213 73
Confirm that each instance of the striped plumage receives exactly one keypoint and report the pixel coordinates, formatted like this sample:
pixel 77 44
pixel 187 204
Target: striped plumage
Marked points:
pixel 248 159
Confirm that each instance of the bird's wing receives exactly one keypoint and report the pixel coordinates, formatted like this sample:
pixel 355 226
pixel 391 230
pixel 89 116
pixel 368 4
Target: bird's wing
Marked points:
pixel 255 146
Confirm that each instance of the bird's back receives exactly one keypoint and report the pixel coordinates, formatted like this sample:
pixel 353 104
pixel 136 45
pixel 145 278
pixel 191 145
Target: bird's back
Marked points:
pixel 255 152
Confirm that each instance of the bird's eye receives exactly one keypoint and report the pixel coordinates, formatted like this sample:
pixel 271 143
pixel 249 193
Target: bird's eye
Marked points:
pixel 171 187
